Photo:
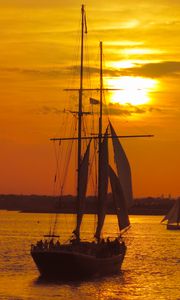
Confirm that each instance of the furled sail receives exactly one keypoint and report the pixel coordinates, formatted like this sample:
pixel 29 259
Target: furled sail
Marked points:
pixel 103 186
pixel 123 168
pixel 173 215
pixel 82 190
pixel 119 200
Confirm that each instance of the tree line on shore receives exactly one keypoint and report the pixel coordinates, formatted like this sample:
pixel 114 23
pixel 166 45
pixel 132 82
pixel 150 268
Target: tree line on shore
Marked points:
pixel 67 204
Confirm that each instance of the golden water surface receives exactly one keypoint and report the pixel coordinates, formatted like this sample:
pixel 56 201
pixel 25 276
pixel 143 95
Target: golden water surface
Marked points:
pixel 151 269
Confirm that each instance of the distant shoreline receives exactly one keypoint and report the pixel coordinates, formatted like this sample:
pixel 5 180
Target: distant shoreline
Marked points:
pixel 67 204
pixel 140 213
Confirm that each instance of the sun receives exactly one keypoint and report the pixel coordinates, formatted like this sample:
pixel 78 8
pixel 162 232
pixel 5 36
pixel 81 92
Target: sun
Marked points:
pixel 133 90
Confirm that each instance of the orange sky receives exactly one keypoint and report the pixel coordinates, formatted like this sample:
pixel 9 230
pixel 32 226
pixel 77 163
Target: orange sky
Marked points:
pixel 39 53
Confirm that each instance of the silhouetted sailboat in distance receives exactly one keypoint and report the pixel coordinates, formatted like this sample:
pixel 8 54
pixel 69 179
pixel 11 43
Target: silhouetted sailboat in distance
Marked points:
pixel 173 217
pixel 77 258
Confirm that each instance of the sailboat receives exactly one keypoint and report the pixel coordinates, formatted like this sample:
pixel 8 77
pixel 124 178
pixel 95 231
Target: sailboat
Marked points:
pixel 173 217
pixel 78 258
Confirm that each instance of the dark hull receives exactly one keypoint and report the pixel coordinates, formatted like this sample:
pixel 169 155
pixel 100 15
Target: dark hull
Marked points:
pixel 173 226
pixel 71 265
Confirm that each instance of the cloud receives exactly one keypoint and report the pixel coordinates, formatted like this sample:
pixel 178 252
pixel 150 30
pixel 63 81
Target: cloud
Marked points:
pixel 129 109
pixel 41 72
pixel 39 3
pixel 112 109
pixel 152 70
pixel 49 110
pixel 155 70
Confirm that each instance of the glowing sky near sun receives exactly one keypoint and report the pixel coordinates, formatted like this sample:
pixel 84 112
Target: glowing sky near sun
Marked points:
pixel 39 55
pixel 134 90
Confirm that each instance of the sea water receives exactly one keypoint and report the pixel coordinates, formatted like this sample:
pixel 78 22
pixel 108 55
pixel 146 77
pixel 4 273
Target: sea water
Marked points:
pixel 150 271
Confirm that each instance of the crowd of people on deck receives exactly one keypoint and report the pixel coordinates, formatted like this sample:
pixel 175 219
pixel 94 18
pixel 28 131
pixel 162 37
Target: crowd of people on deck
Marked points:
pixel 46 245
pixel 109 248
pixel 101 249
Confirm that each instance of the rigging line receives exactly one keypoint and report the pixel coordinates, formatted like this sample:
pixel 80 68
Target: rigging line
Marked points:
pixel 57 157
pixel 55 223
pixel 55 181
pixel 62 183
pixel 59 173
pixel 95 149
pixel 64 120
pixel 88 64
pixel 85 129
pixel 105 106
pixel 75 61
pixel 72 78
pixel 68 156
pixel 94 181
pixel 75 174
pixel 95 166
pixel 84 126
pixel 67 164
pixel 91 164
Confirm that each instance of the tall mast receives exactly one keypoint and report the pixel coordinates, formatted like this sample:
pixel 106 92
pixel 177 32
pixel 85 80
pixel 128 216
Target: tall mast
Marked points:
pixel 100 119
pixel 80 104
pixel 101 94
pixel 80 98
pixel 100 122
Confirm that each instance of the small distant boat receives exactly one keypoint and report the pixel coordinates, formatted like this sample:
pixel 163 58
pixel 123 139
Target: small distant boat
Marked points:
pixel 173 217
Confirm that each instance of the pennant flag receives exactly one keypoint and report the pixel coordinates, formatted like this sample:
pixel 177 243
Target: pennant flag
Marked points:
pixel 94 101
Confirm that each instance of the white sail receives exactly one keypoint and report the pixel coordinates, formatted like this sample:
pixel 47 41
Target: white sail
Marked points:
pixel 123 168
pixel 173 215
pixel 103 184
pixel 82 189
pixel 119 200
